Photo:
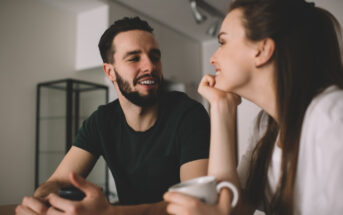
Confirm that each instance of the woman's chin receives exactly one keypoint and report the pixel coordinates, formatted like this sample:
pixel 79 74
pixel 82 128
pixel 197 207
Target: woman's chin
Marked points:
pixel 223 87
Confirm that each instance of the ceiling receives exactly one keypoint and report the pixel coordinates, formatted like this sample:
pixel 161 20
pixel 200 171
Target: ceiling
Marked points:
pixel 176 14
pixel 75 6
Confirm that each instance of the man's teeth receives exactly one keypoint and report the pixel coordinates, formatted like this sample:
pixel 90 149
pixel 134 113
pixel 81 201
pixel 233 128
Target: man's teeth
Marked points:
pixel 147 82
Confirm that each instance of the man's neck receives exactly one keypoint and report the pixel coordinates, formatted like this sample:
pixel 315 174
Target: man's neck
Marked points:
pixel 138 118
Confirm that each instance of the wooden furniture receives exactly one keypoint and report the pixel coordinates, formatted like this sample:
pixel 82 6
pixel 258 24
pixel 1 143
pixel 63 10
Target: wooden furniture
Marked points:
pixel 7 209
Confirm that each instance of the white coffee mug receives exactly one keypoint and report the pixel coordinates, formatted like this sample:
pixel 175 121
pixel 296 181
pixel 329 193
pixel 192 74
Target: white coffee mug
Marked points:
pixel 205 188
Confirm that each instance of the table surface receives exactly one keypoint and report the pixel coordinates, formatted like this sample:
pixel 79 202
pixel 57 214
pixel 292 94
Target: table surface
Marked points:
pixel 7 209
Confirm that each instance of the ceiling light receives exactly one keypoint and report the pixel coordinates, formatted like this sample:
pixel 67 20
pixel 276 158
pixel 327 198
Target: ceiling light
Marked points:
pixel 199 17
pixel 213 29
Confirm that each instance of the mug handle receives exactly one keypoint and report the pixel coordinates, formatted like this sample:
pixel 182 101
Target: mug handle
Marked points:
pixel 233 189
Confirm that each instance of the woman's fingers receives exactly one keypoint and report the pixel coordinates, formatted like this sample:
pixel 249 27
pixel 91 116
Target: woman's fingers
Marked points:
pixel 206 88
pixel 214 95
pixel 175 209
pixel 180 203
pixel 208 80
pixel 179 198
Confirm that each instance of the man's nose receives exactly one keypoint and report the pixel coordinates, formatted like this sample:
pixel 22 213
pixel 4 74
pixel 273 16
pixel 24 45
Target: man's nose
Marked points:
pixel 147 65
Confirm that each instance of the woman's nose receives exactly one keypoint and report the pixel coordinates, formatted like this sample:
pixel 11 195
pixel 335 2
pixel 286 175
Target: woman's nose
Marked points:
pixel 212 59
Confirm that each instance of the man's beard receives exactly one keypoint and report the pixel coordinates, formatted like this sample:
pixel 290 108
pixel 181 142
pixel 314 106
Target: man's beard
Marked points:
pixel 134 96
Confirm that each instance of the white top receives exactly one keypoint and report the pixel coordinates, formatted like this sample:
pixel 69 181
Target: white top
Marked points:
pixel 319 179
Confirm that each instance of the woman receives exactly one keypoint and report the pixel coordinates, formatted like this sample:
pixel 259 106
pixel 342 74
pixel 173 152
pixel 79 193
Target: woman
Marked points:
pixel 285 57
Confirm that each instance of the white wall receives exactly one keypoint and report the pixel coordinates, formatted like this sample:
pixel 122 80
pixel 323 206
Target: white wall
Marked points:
pixel 37 44
pixel 90 26
pixel 333 6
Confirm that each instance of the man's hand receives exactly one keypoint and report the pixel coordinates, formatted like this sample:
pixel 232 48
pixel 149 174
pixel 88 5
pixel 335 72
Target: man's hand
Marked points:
pixel 32 206
pixel 94 201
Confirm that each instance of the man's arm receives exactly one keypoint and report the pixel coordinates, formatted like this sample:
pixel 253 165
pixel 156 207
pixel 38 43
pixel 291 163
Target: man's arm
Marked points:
pixel 76 160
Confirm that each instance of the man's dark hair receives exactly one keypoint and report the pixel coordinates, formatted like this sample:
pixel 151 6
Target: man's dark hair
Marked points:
pixel 121 25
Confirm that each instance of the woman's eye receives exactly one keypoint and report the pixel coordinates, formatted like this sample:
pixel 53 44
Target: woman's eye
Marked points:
pixel 221 42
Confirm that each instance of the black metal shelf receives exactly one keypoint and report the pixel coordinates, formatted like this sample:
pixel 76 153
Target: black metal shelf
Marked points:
pixel 62 100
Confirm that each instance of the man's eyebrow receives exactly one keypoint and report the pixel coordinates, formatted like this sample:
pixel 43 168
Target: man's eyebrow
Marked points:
pixel 156 51
pixel 134 52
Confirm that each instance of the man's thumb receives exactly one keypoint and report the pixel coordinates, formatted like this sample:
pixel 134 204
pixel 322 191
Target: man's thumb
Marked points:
pixel 79 182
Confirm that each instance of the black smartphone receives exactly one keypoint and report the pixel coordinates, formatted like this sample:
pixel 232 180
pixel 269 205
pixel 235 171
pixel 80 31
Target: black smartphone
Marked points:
pixel 71 193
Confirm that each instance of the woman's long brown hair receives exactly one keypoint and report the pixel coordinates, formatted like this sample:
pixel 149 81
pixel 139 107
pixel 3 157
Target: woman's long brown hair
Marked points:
pixel 308 60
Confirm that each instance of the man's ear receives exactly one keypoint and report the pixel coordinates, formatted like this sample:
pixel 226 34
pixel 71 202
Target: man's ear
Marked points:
pixel 109 71
pixel 265 51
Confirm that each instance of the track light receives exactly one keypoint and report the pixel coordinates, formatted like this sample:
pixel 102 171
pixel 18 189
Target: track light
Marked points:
pixel 199 17
pixel 213 29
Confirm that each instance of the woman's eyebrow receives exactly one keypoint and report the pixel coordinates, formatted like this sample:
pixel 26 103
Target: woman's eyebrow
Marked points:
pixel 220 34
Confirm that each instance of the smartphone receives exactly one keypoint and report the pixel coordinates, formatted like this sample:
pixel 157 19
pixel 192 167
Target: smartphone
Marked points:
pixel 71 193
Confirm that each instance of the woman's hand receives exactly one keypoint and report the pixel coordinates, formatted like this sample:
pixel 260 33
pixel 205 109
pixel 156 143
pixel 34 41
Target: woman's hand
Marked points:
pixel 94 201
pixel 180 204
pixel 213 95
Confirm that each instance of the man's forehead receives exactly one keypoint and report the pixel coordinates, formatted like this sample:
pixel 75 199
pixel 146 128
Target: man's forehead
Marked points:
pixel 134 40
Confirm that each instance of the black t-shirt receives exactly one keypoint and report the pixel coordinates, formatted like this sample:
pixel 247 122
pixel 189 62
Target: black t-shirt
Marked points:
pixel 145 164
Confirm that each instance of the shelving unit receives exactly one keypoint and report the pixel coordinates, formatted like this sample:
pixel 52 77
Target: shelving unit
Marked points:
pixel 62 106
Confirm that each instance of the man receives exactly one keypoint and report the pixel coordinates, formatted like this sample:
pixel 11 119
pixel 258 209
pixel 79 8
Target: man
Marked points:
pixel 149 138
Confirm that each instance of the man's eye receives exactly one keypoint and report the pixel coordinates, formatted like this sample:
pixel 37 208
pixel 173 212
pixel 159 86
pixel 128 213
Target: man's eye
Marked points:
pixel 134 59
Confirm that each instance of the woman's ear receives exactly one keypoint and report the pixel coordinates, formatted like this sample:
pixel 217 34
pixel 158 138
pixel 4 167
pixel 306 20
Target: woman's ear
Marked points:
pixel 265 51
pixel 109 71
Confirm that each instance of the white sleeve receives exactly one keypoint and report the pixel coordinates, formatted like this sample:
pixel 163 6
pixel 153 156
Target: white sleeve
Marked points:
pixel 320 162
pixel 330 160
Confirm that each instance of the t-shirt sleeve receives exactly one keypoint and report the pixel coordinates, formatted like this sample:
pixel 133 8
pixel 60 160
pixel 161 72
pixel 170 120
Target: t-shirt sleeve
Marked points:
pixel 194 135
pixel 88 136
